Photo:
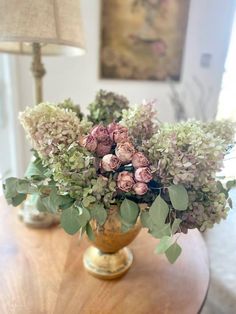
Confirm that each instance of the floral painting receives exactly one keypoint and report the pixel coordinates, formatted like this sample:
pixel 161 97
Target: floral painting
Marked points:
pixel 143 39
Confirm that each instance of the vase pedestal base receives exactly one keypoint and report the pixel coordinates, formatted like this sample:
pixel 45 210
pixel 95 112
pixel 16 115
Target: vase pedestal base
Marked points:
pixel 107 265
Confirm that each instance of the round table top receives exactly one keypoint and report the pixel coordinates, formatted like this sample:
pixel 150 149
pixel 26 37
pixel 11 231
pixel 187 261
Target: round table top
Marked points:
pixel 41 272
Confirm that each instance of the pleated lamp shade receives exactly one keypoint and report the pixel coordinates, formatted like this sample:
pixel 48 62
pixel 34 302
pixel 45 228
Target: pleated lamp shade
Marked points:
pixel 55 24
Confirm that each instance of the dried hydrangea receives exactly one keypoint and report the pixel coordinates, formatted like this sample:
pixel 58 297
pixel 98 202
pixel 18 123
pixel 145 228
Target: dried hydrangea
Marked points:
pixel 141 120
pixel 207 206
pixel 107 107
pixel 224 129
pixel 51 129
pixel 69 105
pixel 184 153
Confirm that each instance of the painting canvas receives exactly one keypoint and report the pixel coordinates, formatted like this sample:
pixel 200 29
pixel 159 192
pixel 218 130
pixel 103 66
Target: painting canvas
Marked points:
pixel 143 39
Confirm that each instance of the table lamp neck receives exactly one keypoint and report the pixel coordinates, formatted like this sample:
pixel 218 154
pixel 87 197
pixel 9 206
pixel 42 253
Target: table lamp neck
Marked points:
pixel 38 72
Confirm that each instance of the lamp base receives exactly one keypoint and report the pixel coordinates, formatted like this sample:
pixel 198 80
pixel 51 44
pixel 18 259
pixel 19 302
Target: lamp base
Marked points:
pixel 107 265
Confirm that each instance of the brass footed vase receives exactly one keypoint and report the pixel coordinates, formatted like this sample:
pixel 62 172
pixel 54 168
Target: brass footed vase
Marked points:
pixel 108 257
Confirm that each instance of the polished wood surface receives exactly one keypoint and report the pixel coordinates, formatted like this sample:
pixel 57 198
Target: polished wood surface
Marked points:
pixel 41 272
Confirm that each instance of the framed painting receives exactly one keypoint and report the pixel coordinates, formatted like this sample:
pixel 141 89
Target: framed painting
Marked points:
pixel 143 39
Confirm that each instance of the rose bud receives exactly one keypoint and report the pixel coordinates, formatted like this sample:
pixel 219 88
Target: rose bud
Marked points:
pixel 125 181
pixel 143 174
pixel 121 135
pixel 139 160
pixel 111 128
pixel 118 133
pixel 140 188
pixel 90 143
pixel 110 163
pixel 100 132
pixel 125 152
pixel 104 148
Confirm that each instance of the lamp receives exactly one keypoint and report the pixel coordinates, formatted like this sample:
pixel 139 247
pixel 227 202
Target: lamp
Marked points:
pixel 35 27
pixel 40 27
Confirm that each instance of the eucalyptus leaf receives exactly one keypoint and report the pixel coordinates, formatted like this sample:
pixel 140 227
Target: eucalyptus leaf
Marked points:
pixel 125 227
pixel 146 220
pixel 9 187
pixel 24 186
pixel 178 196
pixel 99 214
pixel 35 169
pixel 175 225
pixel 70 220
pixel 230 184
pixel 158 232
pixel 89 232
pixel 164 244
pixel 18 199
pixel 159 211
pixel 84 217
pixel 129 211
pixel 230 202
pixel 173 252
pixel 40 205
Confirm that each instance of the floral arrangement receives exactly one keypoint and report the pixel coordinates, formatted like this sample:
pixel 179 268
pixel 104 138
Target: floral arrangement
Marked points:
pixel 81 169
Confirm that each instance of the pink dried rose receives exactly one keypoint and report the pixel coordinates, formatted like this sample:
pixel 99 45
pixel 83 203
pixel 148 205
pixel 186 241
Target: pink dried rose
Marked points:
pixel 118 133
pixel 140 188
pixel 139 160
pixel 143 174
pixel 100 132
pixel 110 163
pixel 111 128
pixel 125 181
pixel 125 152
pixel 104 148
pixel 90 143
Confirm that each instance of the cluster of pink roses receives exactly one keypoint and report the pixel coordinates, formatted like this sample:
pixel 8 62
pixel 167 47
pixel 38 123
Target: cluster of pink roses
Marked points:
pixel 114 138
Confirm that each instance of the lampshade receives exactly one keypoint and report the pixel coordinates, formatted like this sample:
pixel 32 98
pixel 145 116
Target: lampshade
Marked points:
pixel 56 24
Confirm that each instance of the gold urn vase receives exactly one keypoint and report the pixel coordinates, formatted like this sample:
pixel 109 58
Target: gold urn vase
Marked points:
pixel 108 257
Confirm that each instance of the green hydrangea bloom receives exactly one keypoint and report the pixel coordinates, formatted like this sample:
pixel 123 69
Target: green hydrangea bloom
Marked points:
pixel 50 128
pixel 184 153
pixel 107 107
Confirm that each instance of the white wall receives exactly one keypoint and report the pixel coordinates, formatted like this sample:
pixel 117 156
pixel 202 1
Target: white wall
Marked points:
pixel 209 28
pixel 11 134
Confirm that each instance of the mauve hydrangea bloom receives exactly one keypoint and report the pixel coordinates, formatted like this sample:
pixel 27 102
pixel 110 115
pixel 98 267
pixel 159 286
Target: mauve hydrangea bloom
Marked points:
pixel 185 154
pixel 207 206
pixel 140 121
pixel 50 128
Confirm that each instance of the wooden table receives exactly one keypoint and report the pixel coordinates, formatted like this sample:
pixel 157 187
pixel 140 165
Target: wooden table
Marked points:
pixel 41 272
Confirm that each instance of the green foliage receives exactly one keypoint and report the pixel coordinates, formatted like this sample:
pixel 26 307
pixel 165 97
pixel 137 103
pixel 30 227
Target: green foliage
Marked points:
pixel 230 184
pixel 173 252
pixel 159 211
pixel 107 107
pixel 129 211
pixel 98 213
pixel 74 218
pixel 13 196
pixel 164 244
pixel 176 225
pixel 89 232
pixel 178 196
